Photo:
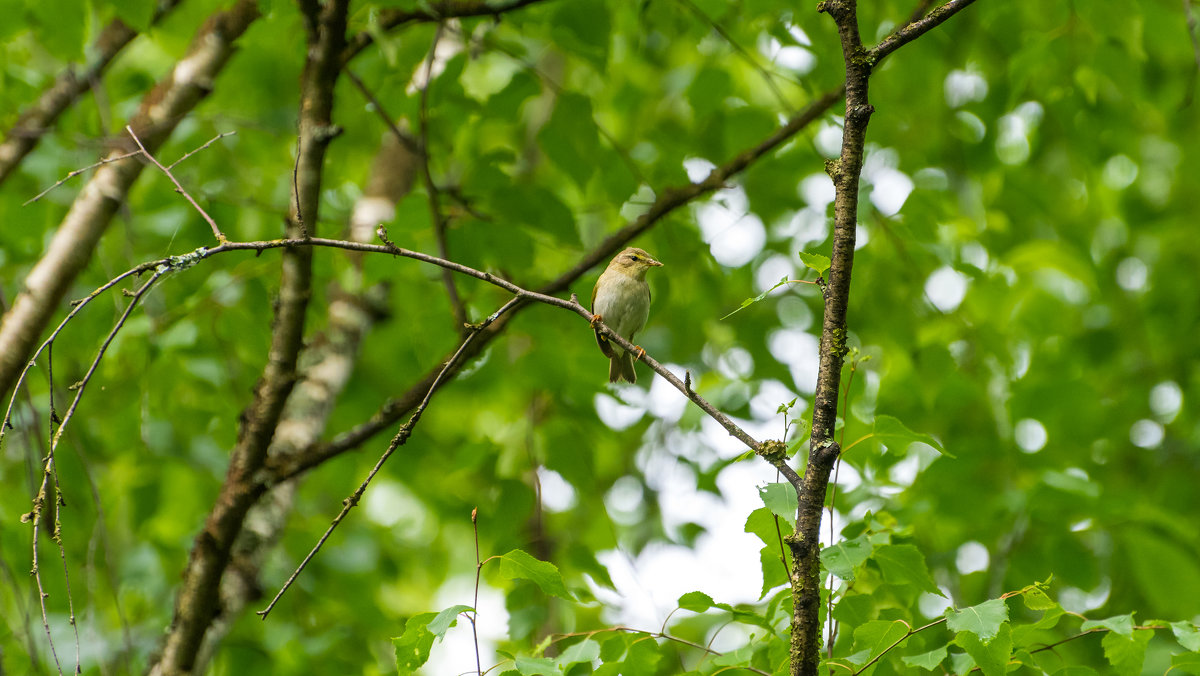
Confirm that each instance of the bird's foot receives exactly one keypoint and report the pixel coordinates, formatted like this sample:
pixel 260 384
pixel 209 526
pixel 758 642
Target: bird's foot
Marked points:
pixel 596 319
pixel 640 353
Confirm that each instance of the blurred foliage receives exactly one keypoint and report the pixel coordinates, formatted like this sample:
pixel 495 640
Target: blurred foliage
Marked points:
pixel 1022 291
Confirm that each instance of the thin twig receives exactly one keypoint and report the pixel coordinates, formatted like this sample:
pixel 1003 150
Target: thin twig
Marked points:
pixel 405 140
pixel 178 187
pixel 211 141
pixel 49 470
pixel 432 193
pixel 837 468
pixel 77 172
pixel 399 440
pixel 296 186
pixel 76 309
pixel 898 641
pixel 475 614
pixel 914 29
pixel 767 75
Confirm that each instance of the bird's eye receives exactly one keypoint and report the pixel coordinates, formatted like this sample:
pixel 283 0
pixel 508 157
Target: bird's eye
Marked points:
pixel 632 257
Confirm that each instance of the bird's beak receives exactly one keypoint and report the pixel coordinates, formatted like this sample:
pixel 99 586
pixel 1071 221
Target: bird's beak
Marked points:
pixel 654 263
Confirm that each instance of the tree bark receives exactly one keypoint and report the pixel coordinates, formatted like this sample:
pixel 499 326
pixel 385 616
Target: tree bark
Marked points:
pixel 71 248
pixel 823 450
pixel 197 601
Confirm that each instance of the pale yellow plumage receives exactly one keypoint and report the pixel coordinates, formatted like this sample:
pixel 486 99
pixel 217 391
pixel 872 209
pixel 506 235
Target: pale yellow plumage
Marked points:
pixel 621 299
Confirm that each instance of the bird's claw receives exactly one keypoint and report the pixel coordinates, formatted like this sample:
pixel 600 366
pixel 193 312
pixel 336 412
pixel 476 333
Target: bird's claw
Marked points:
pixel 596 320
pixel 640 353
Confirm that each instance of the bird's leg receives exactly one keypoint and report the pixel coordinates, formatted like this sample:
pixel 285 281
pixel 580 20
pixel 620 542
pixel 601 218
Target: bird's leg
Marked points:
pixel 640 353
pixel 596 319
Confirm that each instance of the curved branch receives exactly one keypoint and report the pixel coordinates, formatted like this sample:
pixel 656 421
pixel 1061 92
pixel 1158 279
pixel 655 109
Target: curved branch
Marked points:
pixel 915 29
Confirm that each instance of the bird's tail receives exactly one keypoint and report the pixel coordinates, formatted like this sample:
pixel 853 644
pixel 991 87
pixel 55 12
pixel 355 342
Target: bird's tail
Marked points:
pixel 620 367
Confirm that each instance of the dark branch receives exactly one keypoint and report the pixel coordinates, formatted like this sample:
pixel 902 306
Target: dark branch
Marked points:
pixel 392 19
pixel 915 29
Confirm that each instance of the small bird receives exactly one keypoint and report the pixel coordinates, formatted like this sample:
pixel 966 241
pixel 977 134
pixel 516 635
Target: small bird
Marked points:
pixel 621 299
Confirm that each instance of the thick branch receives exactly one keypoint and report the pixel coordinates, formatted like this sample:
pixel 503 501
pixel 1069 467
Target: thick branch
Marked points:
pixel 845 172
pixel 325 367
pixel 71 248
pixel 197 599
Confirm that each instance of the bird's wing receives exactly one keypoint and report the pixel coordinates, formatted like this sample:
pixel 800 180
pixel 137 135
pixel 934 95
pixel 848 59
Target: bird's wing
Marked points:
pixel 605 346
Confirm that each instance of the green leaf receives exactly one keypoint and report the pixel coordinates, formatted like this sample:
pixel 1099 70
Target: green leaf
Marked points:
pixel 843 557
pixel 762 523
pixel 781 499
pixel 991 656
pixel 531 207
pixel 815 262
pixel 751 301
pixel 135 13
pixel 928 661
pixel 878 635
pixel 855 609
pixel 983 620
pixel 613 647
pixel 537 666
pixel 586 650
pixel 446 619
pixel 63 38
pixel 507 102
pixel 695 601
pixel 1188 635
pixel 890 431
pixel 708 91
pixel 1165 570
pixel 519 565
pixel 1126 653
pixel 1188 663
pixel 570 138
pixel 1069 482
pixel 1036 598
pixel 643 657
pixel 801 438
pixel 771 564
pixel 904 564
pixel 1118 624
pixel 412 648
pixel 584 26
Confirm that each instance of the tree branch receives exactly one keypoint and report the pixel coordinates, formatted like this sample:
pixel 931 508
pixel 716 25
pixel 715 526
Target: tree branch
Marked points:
pixel 915 29
pixel 197 599
pixel 71 248
pixel 36 120
pixel 178 187
pixel 845 171
pixel 431 12
pixel 432 194
pixel 399 440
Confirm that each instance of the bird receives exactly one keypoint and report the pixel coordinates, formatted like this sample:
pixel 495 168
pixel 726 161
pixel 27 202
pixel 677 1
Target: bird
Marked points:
pixel 621 299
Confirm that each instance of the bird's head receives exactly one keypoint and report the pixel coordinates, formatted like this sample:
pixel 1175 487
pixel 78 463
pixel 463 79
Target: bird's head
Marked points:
pixel 634 261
